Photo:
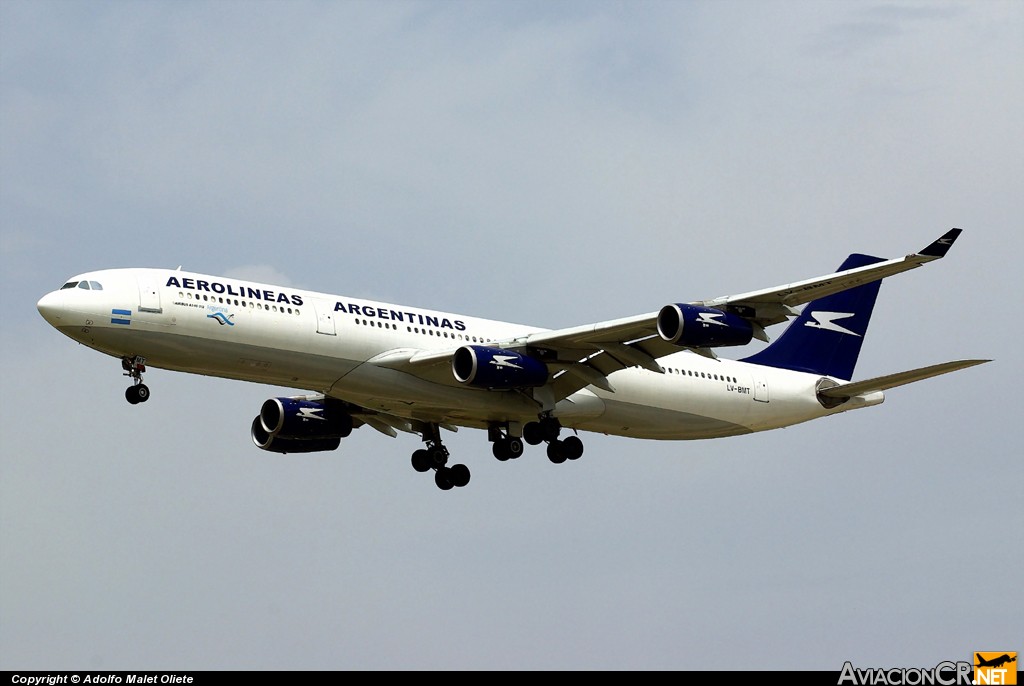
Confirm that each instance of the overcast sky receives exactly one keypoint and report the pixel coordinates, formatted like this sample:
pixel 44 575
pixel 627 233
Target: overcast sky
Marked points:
pixel 546 163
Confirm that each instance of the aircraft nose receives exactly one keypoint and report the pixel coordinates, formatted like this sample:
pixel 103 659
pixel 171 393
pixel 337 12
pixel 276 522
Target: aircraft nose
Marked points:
pixel 51 307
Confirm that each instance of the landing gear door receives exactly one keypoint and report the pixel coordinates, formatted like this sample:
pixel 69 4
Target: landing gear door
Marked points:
pixel 149 295
pixel 324 318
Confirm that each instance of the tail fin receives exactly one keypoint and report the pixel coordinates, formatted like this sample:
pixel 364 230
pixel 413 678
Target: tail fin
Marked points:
pixel 827 336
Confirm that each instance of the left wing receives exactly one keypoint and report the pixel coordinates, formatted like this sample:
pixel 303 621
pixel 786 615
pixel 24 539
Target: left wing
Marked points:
pixel 586 355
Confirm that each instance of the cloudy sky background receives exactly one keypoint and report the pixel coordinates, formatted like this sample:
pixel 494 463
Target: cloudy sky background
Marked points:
pixel 546 163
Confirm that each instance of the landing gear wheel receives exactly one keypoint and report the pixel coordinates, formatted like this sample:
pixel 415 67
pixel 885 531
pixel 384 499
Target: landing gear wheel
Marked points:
pixel 443 479
pixel 421 461
pixel 556 453
pixel 532 433
pixel 573 448
pixel 459 475
pixel 507 448
pixel 136 394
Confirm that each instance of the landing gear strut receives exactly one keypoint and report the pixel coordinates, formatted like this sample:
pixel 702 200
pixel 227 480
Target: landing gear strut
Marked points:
pixel 435 456
pixel 134 367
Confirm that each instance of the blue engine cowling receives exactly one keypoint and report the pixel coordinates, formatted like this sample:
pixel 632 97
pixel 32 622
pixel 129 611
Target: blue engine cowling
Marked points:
pixel 281 444
pixel 702 327
pixel 297 425
pixel 483 367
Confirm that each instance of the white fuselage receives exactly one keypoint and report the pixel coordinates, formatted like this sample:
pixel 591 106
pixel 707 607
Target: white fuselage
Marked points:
pixel 330 344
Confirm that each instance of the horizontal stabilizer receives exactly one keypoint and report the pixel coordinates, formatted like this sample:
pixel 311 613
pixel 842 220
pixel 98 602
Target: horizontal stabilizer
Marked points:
pixel 882 383
pixel 940 247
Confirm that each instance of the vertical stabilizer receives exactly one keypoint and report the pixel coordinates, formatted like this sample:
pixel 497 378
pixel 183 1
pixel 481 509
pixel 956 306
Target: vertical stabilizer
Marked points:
pixel 826 338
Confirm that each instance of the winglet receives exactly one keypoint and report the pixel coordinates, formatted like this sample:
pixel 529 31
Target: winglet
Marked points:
pixel 941 246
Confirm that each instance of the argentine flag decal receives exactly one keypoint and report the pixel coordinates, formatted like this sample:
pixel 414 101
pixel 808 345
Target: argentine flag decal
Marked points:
pixel 120 317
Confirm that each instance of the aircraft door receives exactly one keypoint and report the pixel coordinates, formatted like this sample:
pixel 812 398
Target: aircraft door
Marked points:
pixel 760 389
pixel 149 295
pixel 324 319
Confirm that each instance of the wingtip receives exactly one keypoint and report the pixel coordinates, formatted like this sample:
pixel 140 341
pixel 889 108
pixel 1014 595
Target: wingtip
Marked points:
pixel 941 246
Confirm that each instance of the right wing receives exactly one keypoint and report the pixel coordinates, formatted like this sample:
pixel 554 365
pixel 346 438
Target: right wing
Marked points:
pixel 849 390
pixel 586 355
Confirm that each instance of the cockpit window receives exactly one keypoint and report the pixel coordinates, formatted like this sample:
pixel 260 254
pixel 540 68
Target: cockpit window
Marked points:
pixel 84 285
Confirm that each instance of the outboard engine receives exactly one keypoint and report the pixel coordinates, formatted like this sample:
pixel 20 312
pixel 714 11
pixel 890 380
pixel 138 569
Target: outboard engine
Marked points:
pixel 695 326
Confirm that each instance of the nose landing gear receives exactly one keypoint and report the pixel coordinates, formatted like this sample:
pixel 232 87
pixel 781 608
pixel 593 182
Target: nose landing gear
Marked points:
pixel 134 367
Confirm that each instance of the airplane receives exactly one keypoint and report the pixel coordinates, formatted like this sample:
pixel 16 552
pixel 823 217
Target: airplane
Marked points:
pixel 357 362
pixel 994 662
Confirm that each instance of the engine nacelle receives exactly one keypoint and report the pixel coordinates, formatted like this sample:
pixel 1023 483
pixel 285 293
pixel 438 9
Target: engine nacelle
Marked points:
pixel 483 367
pixel 297 425
pixel 702 327
pixel 281 444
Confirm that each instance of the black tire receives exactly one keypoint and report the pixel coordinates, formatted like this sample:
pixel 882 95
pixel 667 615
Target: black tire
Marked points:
pixel 556 453
pixel 459 475
pixel 500 450
pixel 532 433
pixel 443 480
pixel 421 461
pixel 573 448
pixel 131 395
pixel 514 447
pixel 142 392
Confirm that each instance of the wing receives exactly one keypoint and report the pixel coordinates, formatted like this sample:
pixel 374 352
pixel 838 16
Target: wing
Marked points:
pixel 586 355
pixel 849 390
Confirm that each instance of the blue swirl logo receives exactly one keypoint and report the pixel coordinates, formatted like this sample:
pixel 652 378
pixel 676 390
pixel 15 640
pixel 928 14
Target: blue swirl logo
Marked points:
pixel 221 318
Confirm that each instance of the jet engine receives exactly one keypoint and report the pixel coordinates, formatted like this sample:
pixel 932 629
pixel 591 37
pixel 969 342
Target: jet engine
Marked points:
pixel 702 327
pixel 300 425
pixel 494 368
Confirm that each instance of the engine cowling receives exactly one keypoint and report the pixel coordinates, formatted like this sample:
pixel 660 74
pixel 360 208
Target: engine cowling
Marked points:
pixel 298 425
pixel 494 368
pixel 282 444
pixel 702 327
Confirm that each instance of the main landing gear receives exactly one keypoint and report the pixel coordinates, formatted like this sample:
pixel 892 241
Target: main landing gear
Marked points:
pixel 134 367
pixel 435 456
pixel 547 429
pixel 505 447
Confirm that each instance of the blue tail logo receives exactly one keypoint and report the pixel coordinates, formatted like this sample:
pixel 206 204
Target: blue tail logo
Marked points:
pixel 827 336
